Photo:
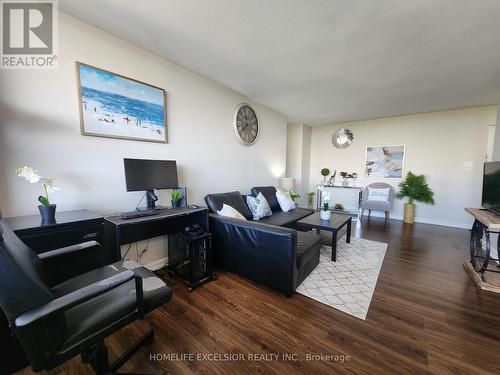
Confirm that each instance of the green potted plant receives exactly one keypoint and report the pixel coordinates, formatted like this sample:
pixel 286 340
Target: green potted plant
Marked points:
pixel 47 210
pixel 293 194
pixel 176 198
pixel 415 188
pixel 325 172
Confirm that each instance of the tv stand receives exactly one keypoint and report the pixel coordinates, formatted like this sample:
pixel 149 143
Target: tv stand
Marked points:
pixel 486 225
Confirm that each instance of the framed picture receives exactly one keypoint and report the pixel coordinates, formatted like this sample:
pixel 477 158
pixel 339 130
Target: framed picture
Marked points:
pixel 385 161
pixel 115 106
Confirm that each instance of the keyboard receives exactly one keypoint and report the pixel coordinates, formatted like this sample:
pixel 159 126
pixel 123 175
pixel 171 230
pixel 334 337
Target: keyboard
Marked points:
pixel 136 214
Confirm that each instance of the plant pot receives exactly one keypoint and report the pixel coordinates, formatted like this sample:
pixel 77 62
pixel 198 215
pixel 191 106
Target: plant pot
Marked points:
pixel 48 214
pixel 409 213
pixel 176 204
pixel 325 215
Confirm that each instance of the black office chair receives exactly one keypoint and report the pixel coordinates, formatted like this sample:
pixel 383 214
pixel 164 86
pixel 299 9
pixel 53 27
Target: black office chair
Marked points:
pixel 54 324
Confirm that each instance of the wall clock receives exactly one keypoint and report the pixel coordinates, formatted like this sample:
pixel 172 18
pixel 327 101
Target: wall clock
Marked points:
pixel 246 125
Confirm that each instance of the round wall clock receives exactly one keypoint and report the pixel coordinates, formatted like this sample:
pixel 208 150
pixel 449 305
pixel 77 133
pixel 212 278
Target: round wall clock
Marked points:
pixel 246 125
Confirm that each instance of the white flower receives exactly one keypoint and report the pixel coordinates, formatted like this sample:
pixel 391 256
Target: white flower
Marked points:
pixel 29 174
pixel 49 184
pixel 326 196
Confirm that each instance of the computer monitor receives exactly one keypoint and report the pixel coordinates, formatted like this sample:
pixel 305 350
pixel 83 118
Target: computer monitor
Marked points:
pixel 141 174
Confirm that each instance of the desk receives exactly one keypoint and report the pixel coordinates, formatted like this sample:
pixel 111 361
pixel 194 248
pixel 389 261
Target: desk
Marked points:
pixel 120 232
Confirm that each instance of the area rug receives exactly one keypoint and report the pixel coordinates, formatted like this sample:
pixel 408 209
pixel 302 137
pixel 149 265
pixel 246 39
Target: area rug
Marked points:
pixel 348 284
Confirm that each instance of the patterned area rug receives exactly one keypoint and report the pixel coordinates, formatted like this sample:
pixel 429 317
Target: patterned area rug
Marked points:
pixel 348 284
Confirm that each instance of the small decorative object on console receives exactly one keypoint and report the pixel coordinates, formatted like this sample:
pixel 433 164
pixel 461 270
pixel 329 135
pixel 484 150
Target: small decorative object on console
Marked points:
pixel 339 206
pixel 325 172
pixel 47 210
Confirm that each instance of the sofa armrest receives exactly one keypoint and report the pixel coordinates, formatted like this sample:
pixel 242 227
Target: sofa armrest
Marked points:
pixel 261 252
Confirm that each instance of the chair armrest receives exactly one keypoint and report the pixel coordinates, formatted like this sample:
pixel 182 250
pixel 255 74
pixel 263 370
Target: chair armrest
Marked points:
pixel 75 298
pixel 69 249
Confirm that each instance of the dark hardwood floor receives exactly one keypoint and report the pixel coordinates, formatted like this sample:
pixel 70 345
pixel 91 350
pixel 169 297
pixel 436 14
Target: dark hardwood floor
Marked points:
pixel 426 316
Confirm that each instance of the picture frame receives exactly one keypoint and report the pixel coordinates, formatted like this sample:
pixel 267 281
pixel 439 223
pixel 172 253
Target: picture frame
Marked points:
pixel 112 105
pixel 385 161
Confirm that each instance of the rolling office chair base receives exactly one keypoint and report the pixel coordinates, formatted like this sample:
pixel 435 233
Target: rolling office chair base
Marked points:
pixel 97 356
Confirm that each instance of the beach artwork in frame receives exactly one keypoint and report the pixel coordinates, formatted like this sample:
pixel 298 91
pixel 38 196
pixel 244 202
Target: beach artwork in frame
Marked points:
pixel 385 161
pixel 115 106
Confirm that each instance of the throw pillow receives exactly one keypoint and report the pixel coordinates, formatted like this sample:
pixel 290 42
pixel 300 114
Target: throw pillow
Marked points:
pixel 378 194
pixel 259 206
pixel 229 211
pixel 286 203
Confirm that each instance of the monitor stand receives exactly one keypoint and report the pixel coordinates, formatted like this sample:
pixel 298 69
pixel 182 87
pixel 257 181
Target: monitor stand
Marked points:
pixel 151 199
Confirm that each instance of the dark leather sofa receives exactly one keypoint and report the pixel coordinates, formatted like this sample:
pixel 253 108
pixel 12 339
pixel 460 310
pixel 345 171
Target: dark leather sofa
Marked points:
pixel 269 251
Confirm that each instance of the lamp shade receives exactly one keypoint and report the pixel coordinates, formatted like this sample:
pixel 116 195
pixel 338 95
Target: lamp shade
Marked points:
pixel 287 183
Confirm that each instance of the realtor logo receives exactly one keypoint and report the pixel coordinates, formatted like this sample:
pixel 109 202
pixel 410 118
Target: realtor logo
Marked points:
pixel 28 34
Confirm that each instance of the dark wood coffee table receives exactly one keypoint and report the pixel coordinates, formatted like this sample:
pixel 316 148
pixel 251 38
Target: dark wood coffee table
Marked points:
pixel 336 222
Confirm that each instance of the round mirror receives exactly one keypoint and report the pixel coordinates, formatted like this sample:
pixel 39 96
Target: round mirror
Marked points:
pixel 342 138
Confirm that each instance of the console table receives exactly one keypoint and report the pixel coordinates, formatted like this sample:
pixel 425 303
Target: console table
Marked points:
pixel 482 245
pixel 354 200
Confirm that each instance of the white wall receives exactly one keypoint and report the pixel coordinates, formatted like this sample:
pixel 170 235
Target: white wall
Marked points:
pixel 437 145
pixel 298 157
pixel 39 126
pixel 496 143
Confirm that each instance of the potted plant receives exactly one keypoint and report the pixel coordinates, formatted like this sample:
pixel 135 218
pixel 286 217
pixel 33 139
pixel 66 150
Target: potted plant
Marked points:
pixel 47 210
pixel 294 195
pixel 325 213
pixel 176 198
pixel 310 199
pixel 415 188
pixel 325 172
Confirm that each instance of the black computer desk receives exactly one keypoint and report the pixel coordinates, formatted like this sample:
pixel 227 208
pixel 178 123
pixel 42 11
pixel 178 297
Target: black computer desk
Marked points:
pixel 120 232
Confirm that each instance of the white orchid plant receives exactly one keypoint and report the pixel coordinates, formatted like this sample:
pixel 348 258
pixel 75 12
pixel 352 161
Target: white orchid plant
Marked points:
pixel 31 175
pixel 326 199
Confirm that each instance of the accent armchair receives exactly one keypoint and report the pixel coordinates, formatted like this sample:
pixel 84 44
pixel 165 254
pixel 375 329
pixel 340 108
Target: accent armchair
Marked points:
pixel 56 323
pixel 377 204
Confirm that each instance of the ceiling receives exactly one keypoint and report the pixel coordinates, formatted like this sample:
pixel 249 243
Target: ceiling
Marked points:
pixel 322 61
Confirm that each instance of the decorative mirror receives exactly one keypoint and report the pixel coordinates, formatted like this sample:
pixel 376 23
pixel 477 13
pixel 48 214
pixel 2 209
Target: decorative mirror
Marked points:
pixel 342 138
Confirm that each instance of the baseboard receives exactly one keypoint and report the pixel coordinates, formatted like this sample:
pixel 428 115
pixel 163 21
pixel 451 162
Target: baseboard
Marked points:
pixel 157 264
pixel 425 221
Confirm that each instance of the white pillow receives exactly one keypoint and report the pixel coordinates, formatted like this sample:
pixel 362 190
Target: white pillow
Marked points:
pixel 286 203
pixel 258 206
pixel 378 194
pixel 229 211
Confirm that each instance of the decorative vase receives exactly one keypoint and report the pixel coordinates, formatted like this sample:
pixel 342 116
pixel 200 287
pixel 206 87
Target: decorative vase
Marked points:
pixel 309 203
pixel 325 215
pixel 409 213
pixel 176 204
pixel 48 214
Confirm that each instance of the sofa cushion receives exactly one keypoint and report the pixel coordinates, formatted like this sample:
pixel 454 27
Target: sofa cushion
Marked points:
pixel 270 193
pixel 308 245
pixel 228 211
pixel 283 219
pixel 233 199
pixel 258 206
